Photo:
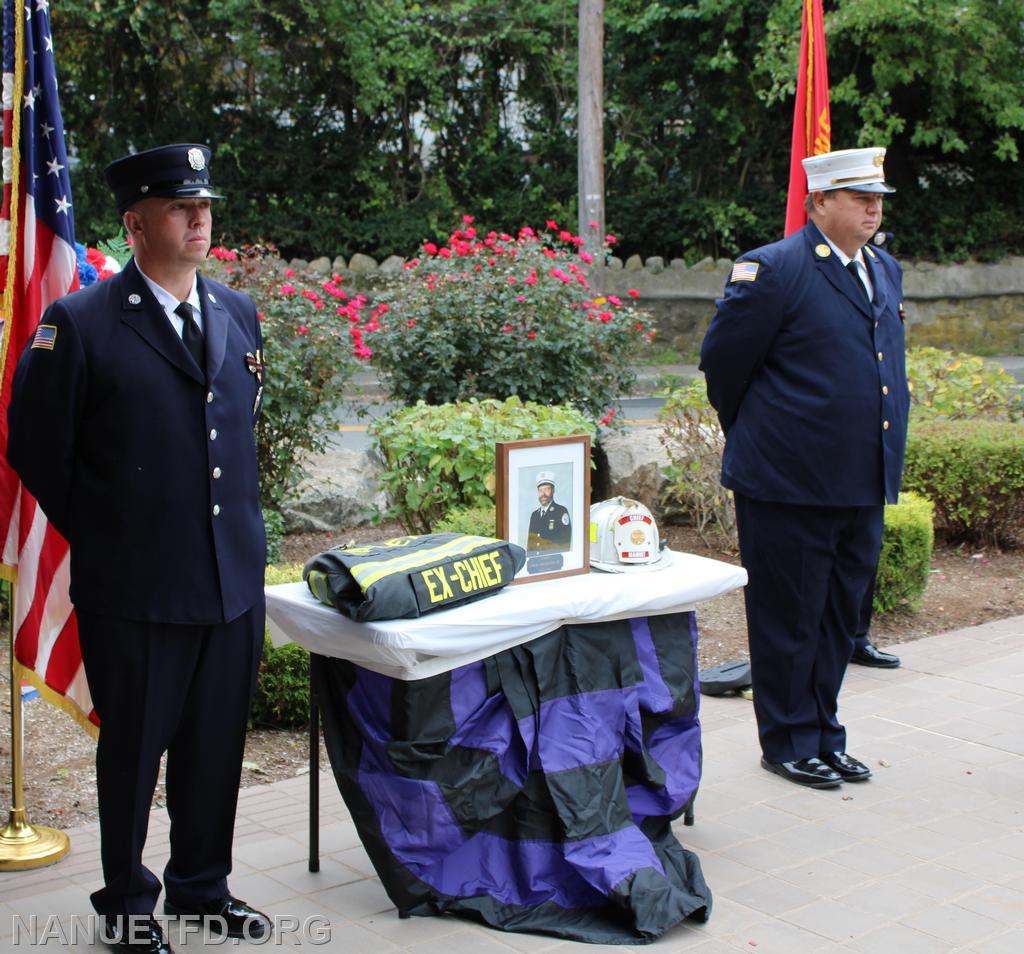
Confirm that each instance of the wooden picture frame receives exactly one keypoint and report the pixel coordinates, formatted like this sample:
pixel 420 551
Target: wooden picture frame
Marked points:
pixel 552 524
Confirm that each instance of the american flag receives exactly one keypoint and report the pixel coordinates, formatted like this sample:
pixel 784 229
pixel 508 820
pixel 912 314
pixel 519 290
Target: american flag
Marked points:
pixel 37 266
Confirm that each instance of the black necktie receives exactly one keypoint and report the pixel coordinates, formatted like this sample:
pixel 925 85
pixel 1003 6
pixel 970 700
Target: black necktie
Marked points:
pixel 851 267
pixel 191 334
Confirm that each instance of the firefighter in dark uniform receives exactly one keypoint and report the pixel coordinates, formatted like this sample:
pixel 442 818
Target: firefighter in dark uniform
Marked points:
pixel 132 425
pixel 804 362
pixel 550 526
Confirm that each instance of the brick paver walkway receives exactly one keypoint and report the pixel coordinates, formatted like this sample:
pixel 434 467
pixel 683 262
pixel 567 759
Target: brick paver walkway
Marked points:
pixel 927 857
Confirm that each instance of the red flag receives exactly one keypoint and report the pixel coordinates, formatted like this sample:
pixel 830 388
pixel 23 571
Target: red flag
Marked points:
pixel 38 264
pixel 812 125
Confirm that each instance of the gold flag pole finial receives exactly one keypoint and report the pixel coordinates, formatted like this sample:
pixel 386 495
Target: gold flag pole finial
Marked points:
pixel 23 845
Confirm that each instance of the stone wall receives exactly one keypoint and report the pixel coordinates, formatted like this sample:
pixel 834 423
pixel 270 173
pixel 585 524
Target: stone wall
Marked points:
pixel 970 307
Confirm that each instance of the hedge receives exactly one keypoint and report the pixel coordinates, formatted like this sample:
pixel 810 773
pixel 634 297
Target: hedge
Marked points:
pixel 906 556
pixel 973 472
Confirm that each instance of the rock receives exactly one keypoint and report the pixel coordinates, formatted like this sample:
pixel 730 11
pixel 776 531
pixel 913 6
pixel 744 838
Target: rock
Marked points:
pixel 677 263
pixel 636 462
pixel 392 265
pixel 299 264
pixel 339 490
pixel 704 265
pixel 320 266
pixel 634 264
pixel 655 264
pixel 339 264
pixel 614 263
pixel 362 264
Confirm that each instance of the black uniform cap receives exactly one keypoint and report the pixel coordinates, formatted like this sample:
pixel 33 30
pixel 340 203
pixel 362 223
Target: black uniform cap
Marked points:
pixel 181 169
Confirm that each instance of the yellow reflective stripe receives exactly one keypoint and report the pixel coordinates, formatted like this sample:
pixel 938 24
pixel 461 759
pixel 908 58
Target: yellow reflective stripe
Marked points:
pixel 366 574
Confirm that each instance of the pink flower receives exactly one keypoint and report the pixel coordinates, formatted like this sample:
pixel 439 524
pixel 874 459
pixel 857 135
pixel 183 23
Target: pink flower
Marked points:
pixel 289 273
pixel 310 295
pixel 362 352
pixel 302 330
pixel 532 334
pixel 551 224
pixel 565 236
pixel 430 248
pixel 531 279
pixel 610 239
pixel 633 293
pixel 445 252
pixel 520 299
pixel 259 315
pixel 586 257
pixel 593 224
pixel 410 323
pixel 511 279
pixel 286 290
pixel 606 316
pixel 506 328
pixel 607 419
pixel 639 326
pixel 467 219
pixel 615 300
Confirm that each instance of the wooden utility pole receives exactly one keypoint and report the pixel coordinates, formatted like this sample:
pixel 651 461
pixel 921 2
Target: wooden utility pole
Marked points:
pixel 590 135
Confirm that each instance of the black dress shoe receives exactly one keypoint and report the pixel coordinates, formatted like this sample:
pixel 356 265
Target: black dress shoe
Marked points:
pixel 871 655
pixel 134 933
pixel 811 772
pixel 227 916
pixel 847 766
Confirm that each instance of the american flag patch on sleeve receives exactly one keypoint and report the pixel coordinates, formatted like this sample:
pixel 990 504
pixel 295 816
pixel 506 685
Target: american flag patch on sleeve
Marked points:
pixel 45 337
pixel 744 271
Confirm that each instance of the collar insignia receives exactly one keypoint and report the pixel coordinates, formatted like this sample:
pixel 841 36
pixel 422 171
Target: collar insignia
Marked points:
pixel 822 251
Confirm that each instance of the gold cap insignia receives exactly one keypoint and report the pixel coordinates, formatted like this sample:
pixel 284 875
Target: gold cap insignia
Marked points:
pixel 822 251
pixel 879 159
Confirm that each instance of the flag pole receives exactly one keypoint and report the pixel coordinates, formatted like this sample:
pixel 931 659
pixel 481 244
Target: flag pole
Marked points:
pixel 23 845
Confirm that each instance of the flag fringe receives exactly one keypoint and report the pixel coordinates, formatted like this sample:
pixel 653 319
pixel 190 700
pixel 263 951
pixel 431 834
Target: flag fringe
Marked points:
pixel 18 671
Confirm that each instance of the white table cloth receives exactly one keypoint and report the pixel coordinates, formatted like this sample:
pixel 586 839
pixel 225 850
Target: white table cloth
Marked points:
pixel 439 642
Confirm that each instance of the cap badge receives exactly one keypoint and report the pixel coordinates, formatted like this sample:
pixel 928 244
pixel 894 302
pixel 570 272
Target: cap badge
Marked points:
pixel 879 159
pixel 822 251
pixel 196 160
pixel 134 299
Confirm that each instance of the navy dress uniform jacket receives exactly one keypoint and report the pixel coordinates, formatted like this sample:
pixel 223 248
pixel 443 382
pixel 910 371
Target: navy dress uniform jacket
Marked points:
pixel 143 461
pixel 551 531
pixel 809 385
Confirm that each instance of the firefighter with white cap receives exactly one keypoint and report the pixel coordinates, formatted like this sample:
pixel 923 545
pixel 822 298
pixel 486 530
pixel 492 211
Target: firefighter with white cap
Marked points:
pixel 550 525
pixel 804 363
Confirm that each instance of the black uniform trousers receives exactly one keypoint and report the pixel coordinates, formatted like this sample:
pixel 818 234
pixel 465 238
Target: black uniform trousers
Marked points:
pixel 809 568
pixel 184 689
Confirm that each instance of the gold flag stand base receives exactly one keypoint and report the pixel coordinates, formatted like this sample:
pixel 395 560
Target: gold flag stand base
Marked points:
pixel 30 846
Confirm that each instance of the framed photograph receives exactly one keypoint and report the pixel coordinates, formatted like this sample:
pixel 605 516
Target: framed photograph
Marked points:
pixel 544 504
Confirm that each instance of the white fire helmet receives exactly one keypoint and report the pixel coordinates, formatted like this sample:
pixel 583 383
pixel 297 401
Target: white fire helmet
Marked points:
pixel 624 537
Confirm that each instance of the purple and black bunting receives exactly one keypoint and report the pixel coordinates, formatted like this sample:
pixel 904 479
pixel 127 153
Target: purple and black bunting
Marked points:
pixel 533 790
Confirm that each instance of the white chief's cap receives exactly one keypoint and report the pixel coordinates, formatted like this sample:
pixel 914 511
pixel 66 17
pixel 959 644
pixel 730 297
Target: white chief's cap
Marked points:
pixel 546 477
pixel 857 169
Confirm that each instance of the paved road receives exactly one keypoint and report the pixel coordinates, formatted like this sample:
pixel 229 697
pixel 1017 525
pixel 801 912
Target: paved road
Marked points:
pixel 639 411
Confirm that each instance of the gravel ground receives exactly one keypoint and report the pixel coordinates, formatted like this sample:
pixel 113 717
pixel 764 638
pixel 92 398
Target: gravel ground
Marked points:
pixel 966 587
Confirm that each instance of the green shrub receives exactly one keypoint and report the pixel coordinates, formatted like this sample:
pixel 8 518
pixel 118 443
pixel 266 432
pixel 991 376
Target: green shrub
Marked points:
pixel 693 440
pixel 973 471
pixel 273 520
pixel 312 343
pixel 281 698
pixel 476 521
pixel 948 385
pixel 505 316
pixel 906 554
pixel 439 458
